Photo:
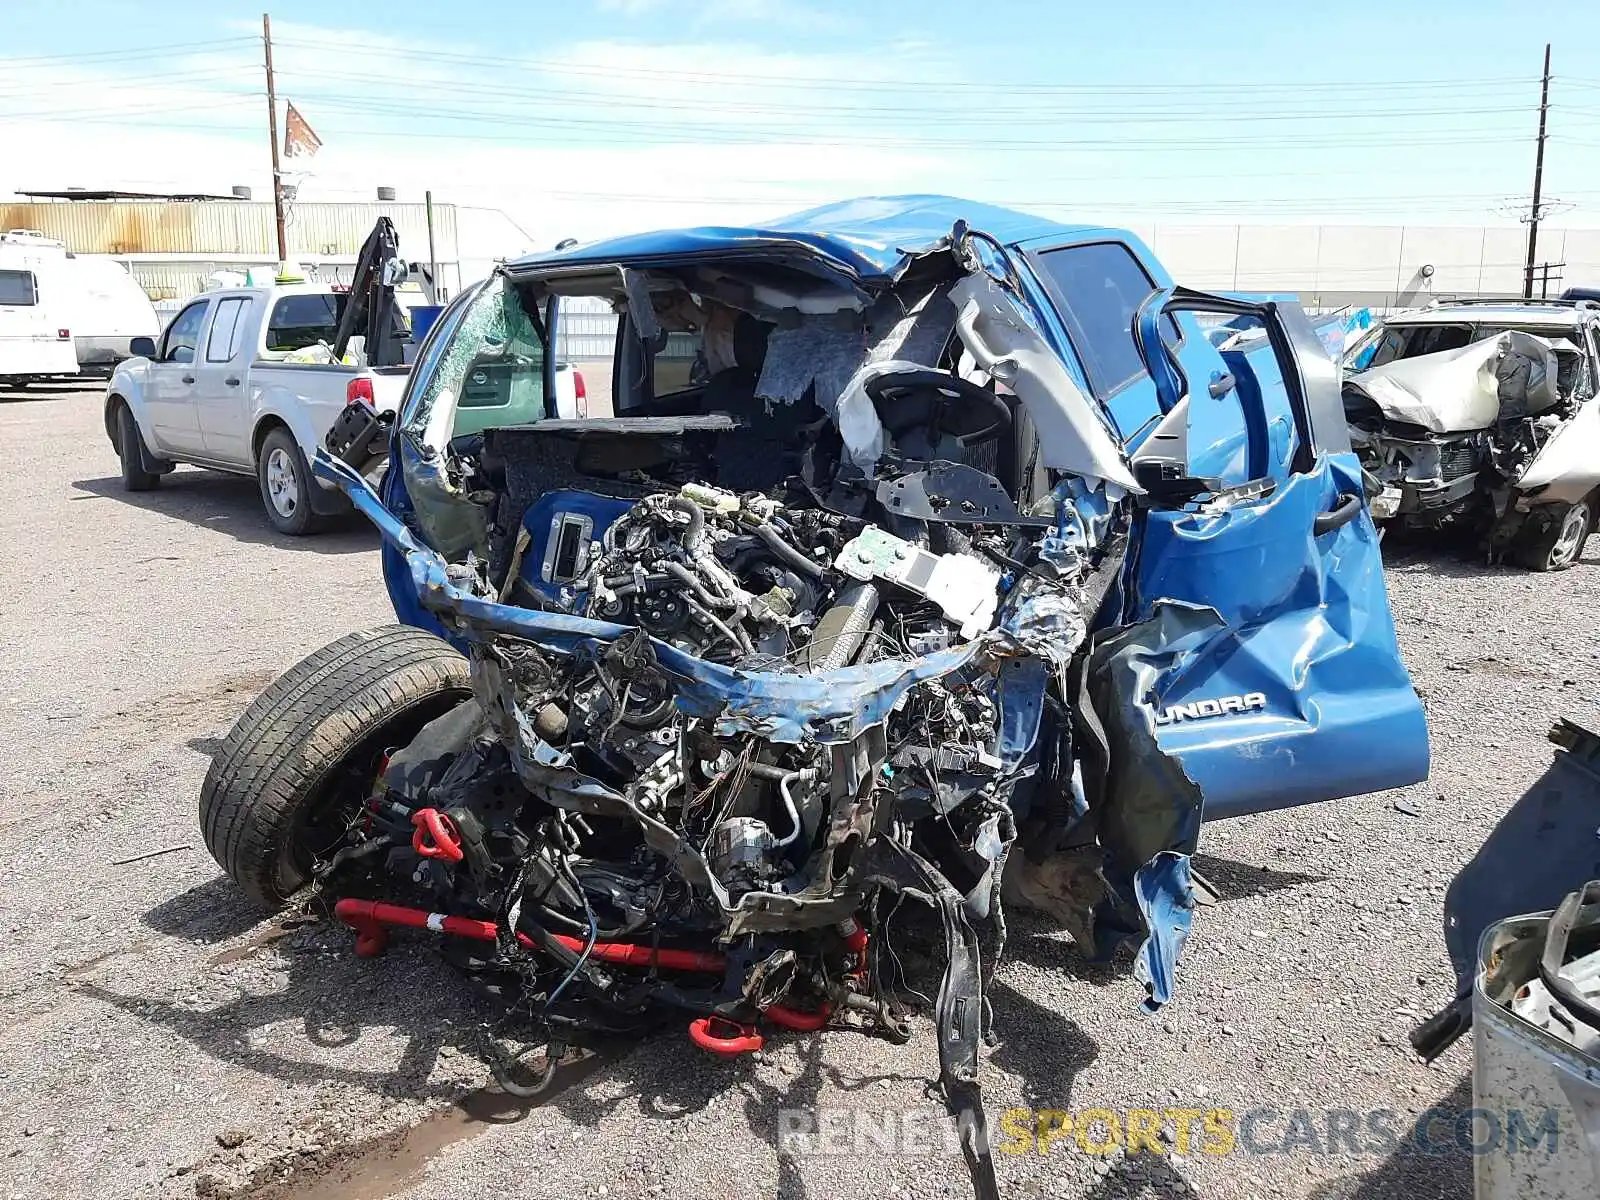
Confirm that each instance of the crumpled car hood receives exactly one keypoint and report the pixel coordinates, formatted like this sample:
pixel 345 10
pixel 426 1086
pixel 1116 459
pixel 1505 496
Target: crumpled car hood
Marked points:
pixel 1455 391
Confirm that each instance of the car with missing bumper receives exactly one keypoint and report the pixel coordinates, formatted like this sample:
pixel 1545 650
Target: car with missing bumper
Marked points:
pixel 1484 417
pixel 933 552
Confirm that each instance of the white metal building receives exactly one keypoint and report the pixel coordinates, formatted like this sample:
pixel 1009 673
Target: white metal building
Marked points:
pixel 172 247
pixel 1384 266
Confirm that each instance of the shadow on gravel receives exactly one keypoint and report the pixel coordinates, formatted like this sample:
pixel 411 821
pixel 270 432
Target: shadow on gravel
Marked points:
pixel 92 390
pixel 413 997
pixel 230 504
pixel 334 996
pixel 1037 941
pixel 209 912
pixel 1234 880
pixel 1420 1168
pixel 1039 1047
pixel 1449 556
pixel 205 747
pixel 1141 1175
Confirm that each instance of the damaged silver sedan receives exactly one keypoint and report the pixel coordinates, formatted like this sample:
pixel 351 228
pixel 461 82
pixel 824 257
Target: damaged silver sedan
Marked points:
pixel 1484 417
pixel 906 570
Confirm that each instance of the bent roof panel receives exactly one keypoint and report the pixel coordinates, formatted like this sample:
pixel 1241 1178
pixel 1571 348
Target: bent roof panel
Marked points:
pixel 867 239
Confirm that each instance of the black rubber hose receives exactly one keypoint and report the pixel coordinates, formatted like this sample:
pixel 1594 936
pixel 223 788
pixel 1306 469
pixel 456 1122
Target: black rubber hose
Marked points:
pixel 697 519
pixel 683 575
pixel 736 636
pixel 773 540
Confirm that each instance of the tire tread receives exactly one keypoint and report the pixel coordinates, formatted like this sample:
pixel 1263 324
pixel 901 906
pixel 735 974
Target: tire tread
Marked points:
pixel 282 748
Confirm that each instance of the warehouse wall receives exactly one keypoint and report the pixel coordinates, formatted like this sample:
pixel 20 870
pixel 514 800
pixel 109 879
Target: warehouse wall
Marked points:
pixel 1330 266
pixel 172 247
pixel 227 227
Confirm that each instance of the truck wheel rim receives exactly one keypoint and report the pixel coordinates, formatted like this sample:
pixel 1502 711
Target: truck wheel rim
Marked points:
pixel 283 484
pixel 1570 540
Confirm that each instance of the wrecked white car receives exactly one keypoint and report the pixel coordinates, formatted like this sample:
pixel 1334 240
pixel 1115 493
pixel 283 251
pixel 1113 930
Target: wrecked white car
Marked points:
pixel 1483 417
pixel 907 569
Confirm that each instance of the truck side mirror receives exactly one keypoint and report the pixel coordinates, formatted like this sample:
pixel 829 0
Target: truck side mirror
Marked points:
pixel 142 347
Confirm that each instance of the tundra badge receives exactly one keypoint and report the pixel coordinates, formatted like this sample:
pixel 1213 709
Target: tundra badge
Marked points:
pixel 1197 710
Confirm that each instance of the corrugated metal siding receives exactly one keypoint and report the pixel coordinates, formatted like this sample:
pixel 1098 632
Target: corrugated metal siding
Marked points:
pixel 180 280
pixel 587 329
pixel 224 227
pixel 146 227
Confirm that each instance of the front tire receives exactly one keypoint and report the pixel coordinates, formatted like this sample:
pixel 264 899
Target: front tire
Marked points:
pixel 131 452
pixel 297 765
pixel 1554 536
pixel 286 484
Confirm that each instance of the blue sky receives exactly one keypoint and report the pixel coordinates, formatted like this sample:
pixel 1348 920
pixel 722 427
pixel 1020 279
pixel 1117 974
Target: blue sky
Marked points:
pixel 599 115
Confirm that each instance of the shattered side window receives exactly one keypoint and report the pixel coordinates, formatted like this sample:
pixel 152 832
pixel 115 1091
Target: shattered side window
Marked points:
pixel 490 372
pixel 1413 341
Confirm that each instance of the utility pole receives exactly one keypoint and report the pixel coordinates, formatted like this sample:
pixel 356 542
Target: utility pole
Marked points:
pixel 1538 178
pixel 1545 269
pixel 277 174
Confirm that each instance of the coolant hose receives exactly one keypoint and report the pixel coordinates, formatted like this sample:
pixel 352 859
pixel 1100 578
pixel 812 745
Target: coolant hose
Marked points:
pixel 697 520
pixel 773 540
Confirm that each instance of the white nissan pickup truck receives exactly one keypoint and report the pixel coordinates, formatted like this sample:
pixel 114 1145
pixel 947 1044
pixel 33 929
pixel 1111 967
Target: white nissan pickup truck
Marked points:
pixel 214 390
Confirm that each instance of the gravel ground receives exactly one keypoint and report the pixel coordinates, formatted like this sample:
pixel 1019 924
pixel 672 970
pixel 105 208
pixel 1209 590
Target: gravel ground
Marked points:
pixel 163 1041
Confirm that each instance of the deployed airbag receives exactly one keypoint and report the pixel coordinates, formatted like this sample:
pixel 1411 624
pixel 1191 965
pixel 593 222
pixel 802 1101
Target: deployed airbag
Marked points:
pixel 1511 375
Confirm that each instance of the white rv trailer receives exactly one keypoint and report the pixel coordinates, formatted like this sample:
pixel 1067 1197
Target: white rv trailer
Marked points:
pixel 62 313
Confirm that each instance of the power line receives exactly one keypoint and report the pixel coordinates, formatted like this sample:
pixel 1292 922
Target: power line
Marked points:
pixel 122 54
pixel 31 90
pixel 1022 116
pixel 89 115
pixel 922 86
pixel 628 134
pixel 722 133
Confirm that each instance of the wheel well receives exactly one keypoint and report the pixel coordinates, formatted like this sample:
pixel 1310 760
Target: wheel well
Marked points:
pixel 113 402
pixel 263 427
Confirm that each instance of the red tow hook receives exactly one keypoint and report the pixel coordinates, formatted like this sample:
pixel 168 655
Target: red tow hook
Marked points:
pixel 436 836
pixel 855 939
pixel 725 1038
pixel 793 1018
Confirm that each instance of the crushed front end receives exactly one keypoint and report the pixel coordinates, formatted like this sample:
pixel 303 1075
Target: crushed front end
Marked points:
pixel 857 599
pixel 748 670
pixel 1448 438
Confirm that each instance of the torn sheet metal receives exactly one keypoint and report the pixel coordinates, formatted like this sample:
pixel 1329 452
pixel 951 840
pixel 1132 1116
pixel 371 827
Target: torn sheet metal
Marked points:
pixel 1145 810
pixel 1340 716
pixel 1513 374
pixel 1073 433
pixel 870 240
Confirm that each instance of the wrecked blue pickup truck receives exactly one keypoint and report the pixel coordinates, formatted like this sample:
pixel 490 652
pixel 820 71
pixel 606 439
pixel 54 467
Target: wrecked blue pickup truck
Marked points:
pixel 933 550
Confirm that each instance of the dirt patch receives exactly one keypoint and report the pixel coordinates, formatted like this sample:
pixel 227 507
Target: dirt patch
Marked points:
pixel 88 966
pixel 178 707
pixel 379 1167
pixel 272 932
